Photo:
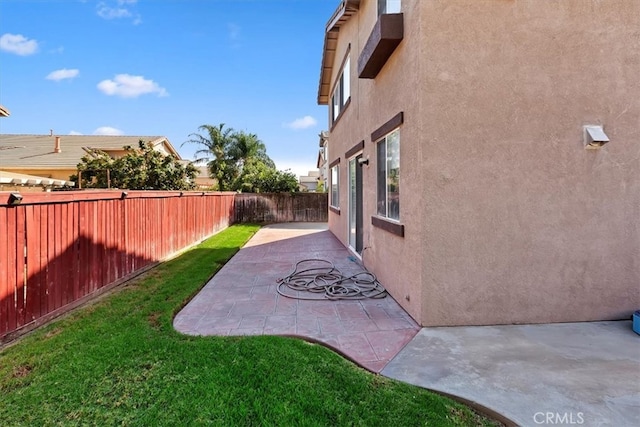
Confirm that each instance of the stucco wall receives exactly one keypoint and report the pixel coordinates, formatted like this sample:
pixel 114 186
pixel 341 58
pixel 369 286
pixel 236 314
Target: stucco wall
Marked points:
pixel 508 219
pixel 22 188
pixel 395 260
pixel 522 224
pixel 63 174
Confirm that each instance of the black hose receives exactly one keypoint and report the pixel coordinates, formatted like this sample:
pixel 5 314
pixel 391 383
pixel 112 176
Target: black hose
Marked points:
pixel 329 282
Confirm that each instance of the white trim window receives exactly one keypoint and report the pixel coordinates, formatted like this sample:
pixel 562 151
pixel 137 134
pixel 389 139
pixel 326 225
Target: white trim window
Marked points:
pixel 388 171
pixel 342 91
pixel 388 6
pixel 335 186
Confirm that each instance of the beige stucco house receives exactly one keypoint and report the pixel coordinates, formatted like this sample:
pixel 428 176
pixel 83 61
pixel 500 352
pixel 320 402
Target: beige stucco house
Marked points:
pixel 203 179
pixel 485 155
pixel 57 157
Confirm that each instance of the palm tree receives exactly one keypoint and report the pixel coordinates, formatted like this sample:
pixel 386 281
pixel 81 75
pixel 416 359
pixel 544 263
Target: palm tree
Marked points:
pixel 215 148
pixel 250 158
pixel 246 147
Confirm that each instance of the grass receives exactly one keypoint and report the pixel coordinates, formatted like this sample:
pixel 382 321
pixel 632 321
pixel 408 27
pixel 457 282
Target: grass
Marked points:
pixel 120 362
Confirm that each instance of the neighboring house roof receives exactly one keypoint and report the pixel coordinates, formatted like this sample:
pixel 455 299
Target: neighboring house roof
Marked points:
pixel 31 180
pixel 346 9
pixel 38 151
pixel 4 111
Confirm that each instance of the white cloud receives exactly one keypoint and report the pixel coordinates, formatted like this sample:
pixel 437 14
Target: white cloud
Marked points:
pixel 62 74
pixel 128 86
pixel 302 123
pixel 108 130
pixel 74 132
pixel 18 44
pixel 107 11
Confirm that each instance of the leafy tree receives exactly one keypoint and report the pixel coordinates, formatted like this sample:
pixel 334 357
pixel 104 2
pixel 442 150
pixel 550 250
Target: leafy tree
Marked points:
pixel 275 181
pixel 143 168
pixel 257 177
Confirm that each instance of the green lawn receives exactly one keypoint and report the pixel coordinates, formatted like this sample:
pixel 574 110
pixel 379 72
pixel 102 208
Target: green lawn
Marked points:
pixel 120 362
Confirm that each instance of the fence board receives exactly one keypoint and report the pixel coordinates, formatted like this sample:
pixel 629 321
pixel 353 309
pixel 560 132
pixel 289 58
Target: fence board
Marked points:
pixel 98 243
pixel 92 241
pixel 5 291
pixel 12 246
pixel 20 265
pixel 75 269
pixel 84 249
pixel 66 256
pixel 44 257
pixel 34 285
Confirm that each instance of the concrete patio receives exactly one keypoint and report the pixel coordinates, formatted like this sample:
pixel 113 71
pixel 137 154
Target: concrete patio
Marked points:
pixel 554 374
pixel 584 373
pixel 242 299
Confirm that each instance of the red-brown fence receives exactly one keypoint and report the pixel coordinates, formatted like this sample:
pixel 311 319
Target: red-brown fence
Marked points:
pixel 59 249
pixel 281 207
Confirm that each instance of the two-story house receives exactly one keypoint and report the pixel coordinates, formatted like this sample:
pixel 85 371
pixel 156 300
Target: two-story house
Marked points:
pixel 484 155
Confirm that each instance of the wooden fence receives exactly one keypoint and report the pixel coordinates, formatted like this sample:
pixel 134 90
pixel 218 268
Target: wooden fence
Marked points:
pixel 281 207
pixel 59 249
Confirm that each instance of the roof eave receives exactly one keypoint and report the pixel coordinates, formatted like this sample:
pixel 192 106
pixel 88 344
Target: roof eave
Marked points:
pixel 319 162
pixel 164 140
pixel 342 14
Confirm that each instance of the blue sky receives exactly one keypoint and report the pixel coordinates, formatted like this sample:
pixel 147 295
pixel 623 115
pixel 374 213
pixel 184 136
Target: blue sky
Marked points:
pixel 165 67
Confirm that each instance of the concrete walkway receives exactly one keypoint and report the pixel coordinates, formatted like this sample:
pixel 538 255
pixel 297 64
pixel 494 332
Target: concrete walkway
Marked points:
pixel 558 374
pixel 241 299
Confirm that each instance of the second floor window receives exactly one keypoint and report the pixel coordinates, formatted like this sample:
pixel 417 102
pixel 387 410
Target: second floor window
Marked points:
pixel 388 6
pixel 342 92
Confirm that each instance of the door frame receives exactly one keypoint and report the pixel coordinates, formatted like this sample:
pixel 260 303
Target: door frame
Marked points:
pixel 355 207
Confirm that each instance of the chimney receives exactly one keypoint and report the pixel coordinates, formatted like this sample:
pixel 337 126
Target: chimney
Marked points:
pixel 56 148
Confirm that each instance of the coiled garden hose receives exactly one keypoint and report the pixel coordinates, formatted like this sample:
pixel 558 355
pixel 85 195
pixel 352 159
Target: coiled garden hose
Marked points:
pixel 327 282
